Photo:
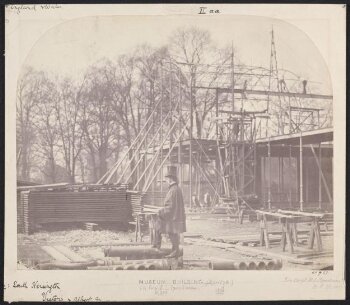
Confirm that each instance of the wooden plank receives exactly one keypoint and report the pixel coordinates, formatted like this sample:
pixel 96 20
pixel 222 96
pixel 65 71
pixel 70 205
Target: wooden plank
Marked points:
pixel 272 254
pixel 210 243
pixel 270 93
pixel 55 254
pixel 312 253
pixel 246 250
pixel 278 215
pixel 73 256
pixel 302 213
pixel 29 253
pixel 42 186
pixel 120 244
pixel 192 235
pixel 318 236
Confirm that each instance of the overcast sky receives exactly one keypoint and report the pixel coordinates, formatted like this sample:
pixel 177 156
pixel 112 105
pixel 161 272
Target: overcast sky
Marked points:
pixel 74 45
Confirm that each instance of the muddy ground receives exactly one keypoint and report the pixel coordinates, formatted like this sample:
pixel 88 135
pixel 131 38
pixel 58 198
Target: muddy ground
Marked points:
pixel 199 230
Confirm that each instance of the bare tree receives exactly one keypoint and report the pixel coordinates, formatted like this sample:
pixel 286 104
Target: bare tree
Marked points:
pixel 30 92
pixel 68 108
pixel 193 48
pixel 99 117
pixel 47 130
pixel 127 110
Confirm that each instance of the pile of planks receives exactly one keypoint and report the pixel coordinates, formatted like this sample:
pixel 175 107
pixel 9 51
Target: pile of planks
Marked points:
pixel 154 198
pixel 137 200
pixel 61 206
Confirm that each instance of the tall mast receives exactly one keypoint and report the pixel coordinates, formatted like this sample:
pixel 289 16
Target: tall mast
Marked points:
pixel 233 79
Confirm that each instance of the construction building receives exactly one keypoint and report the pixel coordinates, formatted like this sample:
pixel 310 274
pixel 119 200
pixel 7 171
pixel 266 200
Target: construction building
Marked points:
pixel 271 139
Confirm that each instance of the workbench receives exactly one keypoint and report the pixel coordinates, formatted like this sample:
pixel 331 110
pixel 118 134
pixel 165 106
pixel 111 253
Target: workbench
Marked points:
pixel 289 221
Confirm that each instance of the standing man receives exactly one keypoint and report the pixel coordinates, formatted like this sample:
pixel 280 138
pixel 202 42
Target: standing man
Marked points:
pixel 172 215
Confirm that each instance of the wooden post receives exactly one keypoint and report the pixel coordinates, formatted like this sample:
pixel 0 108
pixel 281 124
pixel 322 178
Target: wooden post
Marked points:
pixel 269 182
pixel 319 177
pixel 266 233
pixel 171 107
pixel 289 236
pixel 243 164
pixel 233 80
pixel 217 112
pixel 255 169
pixel 306 181
pixel 315 234
pixel 145 165
pixel 161 120
pixel 138 167
pixel 263 178
pixel 290 182
pixel 153 149
pixel 301 199
pixel 179 157
pixel 318 235
pixel 295 233
pixel 286 235
pixel 191 135
pixel 218 159
pixel 279 179
pixel 290 120
pixel 282 175
pixel 311 236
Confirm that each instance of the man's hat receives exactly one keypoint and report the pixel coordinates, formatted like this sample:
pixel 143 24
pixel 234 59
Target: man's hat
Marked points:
pixel 171 172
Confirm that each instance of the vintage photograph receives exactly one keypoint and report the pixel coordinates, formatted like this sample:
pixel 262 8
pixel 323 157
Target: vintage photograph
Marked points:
pixel 204 144
pixel 190 146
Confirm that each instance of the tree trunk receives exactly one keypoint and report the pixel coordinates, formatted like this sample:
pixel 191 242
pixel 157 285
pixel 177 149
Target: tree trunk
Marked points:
pixel 24 167
pixel 52 170
pixel 102 154
pixel 71 178
pixel 93 162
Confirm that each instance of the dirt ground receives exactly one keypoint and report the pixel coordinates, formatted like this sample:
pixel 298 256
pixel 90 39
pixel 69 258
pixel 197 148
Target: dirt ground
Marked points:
pixel 199 229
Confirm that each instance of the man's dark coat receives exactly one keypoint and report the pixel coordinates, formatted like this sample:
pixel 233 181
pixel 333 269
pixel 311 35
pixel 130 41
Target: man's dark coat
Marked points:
pixel 172 215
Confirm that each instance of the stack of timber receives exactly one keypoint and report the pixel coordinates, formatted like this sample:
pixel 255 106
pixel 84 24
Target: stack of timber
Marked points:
pixel 20 211
pixel 26 220
pixel 55 207
pixel 151 209
pixel 154 198
pixel 140 208
pixel 45 187
pixel 136 199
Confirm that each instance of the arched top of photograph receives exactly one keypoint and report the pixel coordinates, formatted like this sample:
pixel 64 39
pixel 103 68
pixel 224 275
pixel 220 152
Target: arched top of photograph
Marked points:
pixel 74 46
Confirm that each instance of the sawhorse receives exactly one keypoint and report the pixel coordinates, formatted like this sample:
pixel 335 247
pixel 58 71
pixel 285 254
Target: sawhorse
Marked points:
pixel 315 234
